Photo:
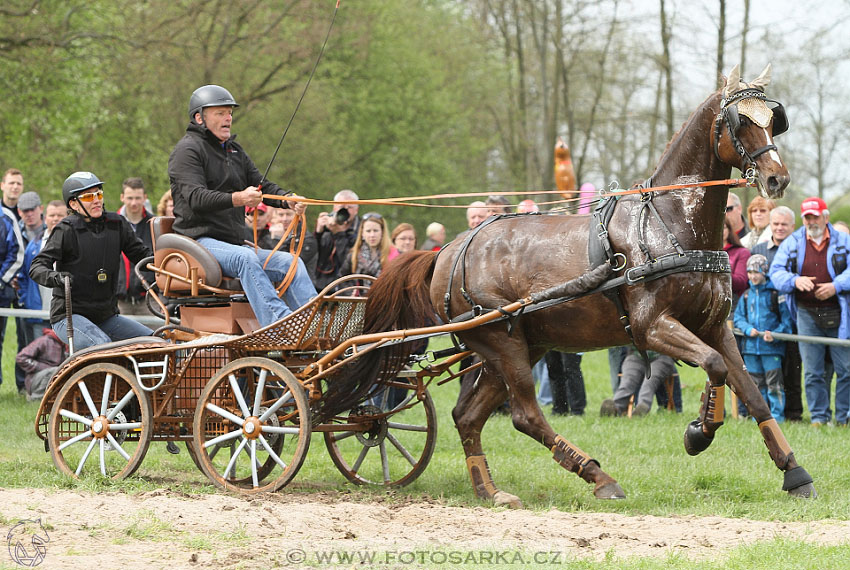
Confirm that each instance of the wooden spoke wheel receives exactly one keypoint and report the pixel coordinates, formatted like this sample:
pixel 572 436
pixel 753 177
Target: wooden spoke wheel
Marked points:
pixel 252 426
pixel 100 423
pixel 393 450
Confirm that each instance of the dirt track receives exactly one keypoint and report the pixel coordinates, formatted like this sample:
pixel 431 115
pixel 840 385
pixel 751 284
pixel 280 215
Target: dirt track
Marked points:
pixel 164 529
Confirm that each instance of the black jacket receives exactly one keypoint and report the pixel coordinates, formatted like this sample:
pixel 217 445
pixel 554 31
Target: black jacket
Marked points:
pixel 204 172
pixel 82 249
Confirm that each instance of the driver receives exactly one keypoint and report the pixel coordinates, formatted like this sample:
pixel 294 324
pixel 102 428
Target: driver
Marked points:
pixel 87 245
pixel 212 181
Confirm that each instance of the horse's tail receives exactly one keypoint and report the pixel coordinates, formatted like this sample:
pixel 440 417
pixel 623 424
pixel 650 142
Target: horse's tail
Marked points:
pixel 398 299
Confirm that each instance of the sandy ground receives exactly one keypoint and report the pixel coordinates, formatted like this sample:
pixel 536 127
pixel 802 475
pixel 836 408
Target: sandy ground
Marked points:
pixel 165 529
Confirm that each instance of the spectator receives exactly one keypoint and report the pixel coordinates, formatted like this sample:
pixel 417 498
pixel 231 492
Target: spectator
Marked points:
pixel 87 247
pixel 758 217
pixel 166 205
pixel 11 254
pixel 31 295
pixel 436 237
pixel 782 222
pixel 32 227
pixel 264 217
pixel 762 310
pixel 811 268
pixel 40 359
pixel 131 295
pixel 336 233
pixel 497 205
pixel 309 251
pixel 371 248
pixel 403 239
pixel 527 207
pixel 212 180
pixel 734 214
pixel 12 185
pixel 632 376
pixel 476 213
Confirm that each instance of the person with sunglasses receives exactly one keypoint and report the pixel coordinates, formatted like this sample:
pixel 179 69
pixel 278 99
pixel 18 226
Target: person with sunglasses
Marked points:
pixel 87 247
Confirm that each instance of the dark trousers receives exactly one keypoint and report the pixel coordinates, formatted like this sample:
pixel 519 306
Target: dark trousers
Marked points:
pixel 567 383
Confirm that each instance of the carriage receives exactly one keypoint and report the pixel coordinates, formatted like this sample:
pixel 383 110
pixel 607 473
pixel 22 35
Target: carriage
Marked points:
pixel 644 269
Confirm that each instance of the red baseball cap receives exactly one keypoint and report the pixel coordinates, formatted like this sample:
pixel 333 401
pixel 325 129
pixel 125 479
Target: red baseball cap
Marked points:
pixel 814 206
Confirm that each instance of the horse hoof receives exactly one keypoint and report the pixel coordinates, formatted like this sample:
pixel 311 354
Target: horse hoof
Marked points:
pixel 806 491
pixel 695 439
pixel 502 499
pixel 609 491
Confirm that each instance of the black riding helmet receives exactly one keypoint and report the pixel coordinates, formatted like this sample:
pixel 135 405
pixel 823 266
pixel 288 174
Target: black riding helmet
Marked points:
pixel 78 183
pixel 210 96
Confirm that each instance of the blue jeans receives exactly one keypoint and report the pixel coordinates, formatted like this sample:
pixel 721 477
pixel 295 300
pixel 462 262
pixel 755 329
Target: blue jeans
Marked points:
pixel 246 264
pixel 817 385
pixel 87 334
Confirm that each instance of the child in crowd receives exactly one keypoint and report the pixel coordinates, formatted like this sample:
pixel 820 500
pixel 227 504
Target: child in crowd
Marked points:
pixel 762 309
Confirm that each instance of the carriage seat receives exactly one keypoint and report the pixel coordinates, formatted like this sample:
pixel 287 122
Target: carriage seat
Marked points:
pixel 179 255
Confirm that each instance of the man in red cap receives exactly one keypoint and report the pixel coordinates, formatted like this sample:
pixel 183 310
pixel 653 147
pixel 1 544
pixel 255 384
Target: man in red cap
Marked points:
pixel 811 268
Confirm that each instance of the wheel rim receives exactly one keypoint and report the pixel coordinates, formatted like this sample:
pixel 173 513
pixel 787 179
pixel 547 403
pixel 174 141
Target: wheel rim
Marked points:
pixel 252 426
pixel 393 451
pixel 100 423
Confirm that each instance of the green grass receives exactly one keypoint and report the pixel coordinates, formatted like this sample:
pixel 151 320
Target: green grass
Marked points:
pixel 733 478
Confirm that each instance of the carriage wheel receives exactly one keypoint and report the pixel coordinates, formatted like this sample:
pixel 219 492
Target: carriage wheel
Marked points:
pixel 395 450
pixel 101 422
pixel 252 426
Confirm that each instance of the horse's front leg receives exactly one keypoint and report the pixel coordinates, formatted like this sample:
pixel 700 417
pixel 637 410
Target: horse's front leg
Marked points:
pixel 725 365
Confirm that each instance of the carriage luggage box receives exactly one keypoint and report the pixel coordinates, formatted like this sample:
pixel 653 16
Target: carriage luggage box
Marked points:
pixel 232 318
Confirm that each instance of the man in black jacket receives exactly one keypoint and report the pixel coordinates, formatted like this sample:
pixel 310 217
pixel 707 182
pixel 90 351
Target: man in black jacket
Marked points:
pixel 87 245
pixel 212 181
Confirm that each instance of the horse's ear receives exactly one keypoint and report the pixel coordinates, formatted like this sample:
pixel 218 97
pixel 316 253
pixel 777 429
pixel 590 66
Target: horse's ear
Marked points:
pixel 762 80
pixel 732 84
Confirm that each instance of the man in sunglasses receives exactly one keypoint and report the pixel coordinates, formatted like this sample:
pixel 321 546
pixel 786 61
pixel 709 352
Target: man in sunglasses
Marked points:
pixel 87 246
pixel 213 180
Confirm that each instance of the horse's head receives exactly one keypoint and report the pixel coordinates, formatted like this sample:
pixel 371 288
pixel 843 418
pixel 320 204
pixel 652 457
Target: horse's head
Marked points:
pixel 744 130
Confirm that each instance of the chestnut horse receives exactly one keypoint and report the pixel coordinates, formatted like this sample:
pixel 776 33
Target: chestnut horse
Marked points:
pixel 681 314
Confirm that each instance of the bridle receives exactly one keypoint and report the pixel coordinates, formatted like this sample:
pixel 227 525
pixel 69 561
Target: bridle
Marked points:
pixel 729 115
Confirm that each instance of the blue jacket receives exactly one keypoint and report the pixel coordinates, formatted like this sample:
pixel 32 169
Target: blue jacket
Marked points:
pixel 11 255
pixel 758 313
pixel 783 278
pixel 29 295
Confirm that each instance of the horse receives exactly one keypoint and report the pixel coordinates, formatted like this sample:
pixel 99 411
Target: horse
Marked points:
pixel 653 303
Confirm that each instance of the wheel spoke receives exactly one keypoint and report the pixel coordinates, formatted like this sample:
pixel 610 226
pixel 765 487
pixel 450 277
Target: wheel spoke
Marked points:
pixel 237 393
pixel 85 456
pixel 271 452
pixel 72 416
pixel 120 405
pixel 406 427
pixel 254 463
pixel 401 449
pixel 356 467
pixel 87 397
pixel 258 397
pixel 225 414
pixel 75 439
pixel 116 446
pixel 234 456
pixel 221 439
pixel 281 429
pixel 287 397
pixel 385 464
pixel 107 385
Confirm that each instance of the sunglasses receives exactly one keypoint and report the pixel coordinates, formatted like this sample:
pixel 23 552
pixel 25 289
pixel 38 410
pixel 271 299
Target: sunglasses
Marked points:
pixel 90 196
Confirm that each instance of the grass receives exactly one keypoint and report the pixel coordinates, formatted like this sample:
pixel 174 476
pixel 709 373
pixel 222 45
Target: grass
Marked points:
pixel 733 478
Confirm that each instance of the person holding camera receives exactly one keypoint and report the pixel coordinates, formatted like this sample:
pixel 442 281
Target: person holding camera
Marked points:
pixel 336 233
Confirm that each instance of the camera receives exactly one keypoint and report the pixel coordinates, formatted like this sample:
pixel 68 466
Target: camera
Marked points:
pixel 341 216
